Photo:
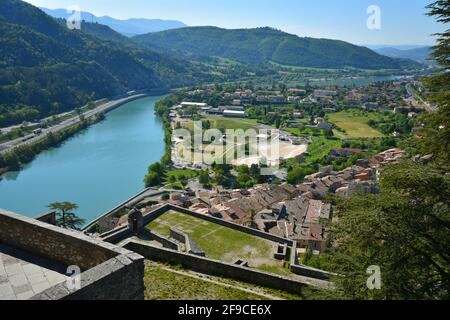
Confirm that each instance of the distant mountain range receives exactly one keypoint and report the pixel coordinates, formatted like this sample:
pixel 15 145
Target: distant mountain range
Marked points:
pixel 399 46
pixel 267 45
pixel 417 54
pixel 130 27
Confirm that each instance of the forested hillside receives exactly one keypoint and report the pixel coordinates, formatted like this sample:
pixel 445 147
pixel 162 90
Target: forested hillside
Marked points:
pixel 127 27
pixel 263 45
pixel 417 54
pixel 47 68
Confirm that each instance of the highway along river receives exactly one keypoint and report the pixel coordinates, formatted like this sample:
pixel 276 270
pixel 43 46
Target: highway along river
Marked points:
pixel 97 169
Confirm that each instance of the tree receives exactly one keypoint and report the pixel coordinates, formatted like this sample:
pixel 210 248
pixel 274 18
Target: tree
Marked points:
pixel 206 124
pixel 328 133
pixel 204 178
pixel 405 230
pixel 11 160
pixel 155 175
pixel 165 197
pixel 437 129
pixel 297 174
pixel 156 167
pixel 152 179
pixel 101 116
pixel 65 216
pixel 254 171
pixel 249 220
pixel 183 179
pixel 245 180
pixel 244 169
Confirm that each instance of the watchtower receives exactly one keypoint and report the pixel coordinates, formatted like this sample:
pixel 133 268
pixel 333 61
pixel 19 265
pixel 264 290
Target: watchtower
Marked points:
pixel 135 220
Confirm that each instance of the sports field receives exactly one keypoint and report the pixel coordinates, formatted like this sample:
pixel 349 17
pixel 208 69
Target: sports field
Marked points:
pixel 220 122
pixel 223 123
pixel 355 124
pixel 222 243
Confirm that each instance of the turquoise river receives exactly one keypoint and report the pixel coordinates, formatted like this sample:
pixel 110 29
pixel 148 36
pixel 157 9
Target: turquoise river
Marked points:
pixel 97 169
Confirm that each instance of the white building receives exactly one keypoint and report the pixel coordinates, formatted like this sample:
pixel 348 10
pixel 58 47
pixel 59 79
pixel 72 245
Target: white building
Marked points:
pixel 234 114
pixel 194 104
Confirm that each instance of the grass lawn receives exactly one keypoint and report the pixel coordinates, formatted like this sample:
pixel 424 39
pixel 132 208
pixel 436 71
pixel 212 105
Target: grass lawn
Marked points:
pixel 167 282
pixel 186 173
pixel 320 147
pixel 173 178
pixel 176 186
pixel 339 134
pixel 355 123
pixel 223 243
pixel 219 122
pixel 231 123
pixel 304 132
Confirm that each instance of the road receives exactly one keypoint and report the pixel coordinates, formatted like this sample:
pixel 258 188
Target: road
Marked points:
pixel 32 138
pixel 412 91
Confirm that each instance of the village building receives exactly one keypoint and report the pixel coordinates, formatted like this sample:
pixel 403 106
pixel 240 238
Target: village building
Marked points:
pixel 234 114
pixel 319 93
pixel 193 104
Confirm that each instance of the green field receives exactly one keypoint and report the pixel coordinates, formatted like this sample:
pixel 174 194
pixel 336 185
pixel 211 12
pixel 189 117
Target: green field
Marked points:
pixel 176 179
pixel 223 243
pixel 219 122
pixel 320 147
pixel 168 282
pixel 304 132
pixel 178 175
pixel 355 123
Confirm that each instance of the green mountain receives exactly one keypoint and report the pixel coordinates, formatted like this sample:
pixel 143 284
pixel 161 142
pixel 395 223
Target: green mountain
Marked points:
pixel 264 45
pixel 102 32
pixel 174 72
pixel 421 54
pixel 46 68
pixel 129 27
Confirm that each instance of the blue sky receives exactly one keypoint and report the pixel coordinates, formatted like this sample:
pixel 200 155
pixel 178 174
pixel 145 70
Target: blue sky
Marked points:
pixel 403 22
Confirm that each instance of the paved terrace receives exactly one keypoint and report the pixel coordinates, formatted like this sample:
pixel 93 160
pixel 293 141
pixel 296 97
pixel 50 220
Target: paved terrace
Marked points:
pixel 23 275
pixel 34 256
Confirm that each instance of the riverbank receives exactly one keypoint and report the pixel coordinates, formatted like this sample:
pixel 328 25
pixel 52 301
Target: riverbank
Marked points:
pixel 97 168
pixel 15 154
pixel 162 112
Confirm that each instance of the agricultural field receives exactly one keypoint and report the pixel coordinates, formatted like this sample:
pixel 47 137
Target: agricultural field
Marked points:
pixel 221 243
pixel 355 123
pixel 320 148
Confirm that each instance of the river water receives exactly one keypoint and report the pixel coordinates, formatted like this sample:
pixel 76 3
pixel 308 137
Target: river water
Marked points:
pixel 97 169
